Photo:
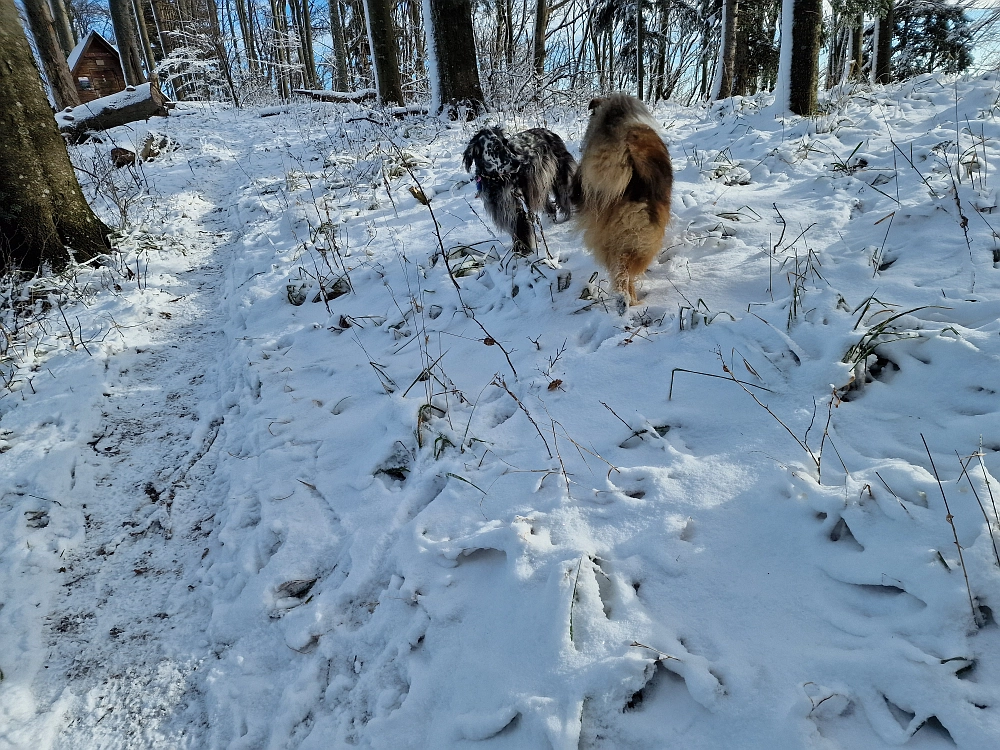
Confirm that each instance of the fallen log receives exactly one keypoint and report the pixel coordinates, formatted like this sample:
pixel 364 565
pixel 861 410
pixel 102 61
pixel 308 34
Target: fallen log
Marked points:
pixel 341 97
pixel 134 103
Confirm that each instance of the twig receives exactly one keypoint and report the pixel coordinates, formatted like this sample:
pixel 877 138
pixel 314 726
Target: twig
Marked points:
pixel 500 382
pixel 989 525
pixel 951 522
pixel 670 393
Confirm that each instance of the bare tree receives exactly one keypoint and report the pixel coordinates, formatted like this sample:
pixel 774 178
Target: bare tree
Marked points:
pixel 43 214
pixel 340 78
pixel 51 53
pixel 385 61
pixel 64 29
pixel 121 19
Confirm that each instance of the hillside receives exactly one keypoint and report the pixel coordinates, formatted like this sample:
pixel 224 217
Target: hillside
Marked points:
pixel 460 502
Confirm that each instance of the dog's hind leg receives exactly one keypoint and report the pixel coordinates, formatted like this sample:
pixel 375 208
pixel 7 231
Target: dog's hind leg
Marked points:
pixel 524 234
pixel 622 283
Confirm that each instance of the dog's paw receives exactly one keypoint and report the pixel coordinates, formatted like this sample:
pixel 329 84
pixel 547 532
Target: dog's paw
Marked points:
pixel 621 304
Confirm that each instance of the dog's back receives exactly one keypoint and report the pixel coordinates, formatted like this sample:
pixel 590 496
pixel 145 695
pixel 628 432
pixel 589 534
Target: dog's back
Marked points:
pixel 623 188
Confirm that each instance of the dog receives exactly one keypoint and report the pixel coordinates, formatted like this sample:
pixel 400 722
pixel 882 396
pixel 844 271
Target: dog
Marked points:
pixel 516 175
pixel 622 190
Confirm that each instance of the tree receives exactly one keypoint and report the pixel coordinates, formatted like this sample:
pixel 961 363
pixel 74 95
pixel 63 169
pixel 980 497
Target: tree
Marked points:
pixel 385 62
pixel 932 35
pixel 726 69
pixel 43 214
pixel 798 68
pixel 51 54
pixel 340 79
pixel 64 29
pixel 882 69
pixel 121 19
pixel 452 55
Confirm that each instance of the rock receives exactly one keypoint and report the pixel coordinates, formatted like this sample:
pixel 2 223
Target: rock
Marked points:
pixel 122 157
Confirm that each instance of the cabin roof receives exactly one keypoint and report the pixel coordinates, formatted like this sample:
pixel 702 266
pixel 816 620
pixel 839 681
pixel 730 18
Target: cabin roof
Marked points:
pixel 77 53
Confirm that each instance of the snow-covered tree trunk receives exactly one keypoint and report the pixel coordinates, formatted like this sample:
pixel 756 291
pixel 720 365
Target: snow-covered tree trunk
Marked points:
pixel 124 26
pixel 451 54
pixel 725 69
pixel 42 208
pixel 46 42
pixel 798 66
pixel 385 61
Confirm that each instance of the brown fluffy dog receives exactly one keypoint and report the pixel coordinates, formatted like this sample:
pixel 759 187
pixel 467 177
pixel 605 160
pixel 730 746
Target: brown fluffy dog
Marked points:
pixel 622 190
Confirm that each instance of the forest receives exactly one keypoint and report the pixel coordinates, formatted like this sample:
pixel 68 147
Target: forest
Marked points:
pixel 487 53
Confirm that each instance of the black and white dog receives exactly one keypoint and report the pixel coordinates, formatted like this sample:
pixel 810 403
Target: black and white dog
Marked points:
pixel 516 175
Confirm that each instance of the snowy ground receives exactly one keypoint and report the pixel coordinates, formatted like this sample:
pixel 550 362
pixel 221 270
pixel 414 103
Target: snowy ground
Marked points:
pixel 501 516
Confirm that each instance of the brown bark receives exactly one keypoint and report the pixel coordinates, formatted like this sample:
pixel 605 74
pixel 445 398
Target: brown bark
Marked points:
pixel 807 19
pixel 42 209
pixel 124 26
pixel 456 74
pixel 385 61
pixel 53 60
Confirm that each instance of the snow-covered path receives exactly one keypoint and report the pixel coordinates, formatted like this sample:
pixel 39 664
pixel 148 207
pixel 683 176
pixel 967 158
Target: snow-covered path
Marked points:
pixel 121 486
pixel 499 515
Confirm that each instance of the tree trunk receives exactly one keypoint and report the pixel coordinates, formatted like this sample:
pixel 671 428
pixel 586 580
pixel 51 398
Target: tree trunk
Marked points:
pixel 385 60
pixel 56 70
pixel 147 49
pixel 42 208
pixel 282 66
pixel 454 74
pixel 64 29
pixel 803 81
pixel 541 22
pixel 249 38
pixel 640 42
pixel 340 79
pixel 727 63
pixel 857 46
pixel 883 59
pixel 121 20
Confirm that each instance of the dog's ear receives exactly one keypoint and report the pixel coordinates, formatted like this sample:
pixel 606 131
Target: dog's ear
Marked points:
pixel 595 103
pixel 470 153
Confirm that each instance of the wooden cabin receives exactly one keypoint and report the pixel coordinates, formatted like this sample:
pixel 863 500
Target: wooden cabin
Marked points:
pixel 96 68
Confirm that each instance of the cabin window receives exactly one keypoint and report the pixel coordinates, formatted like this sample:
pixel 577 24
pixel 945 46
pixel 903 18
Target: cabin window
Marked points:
pixel 84 83
pixel 100 62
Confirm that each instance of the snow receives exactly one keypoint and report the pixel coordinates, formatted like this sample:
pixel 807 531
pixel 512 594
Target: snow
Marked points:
pixel 229 521
pixel 783 83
